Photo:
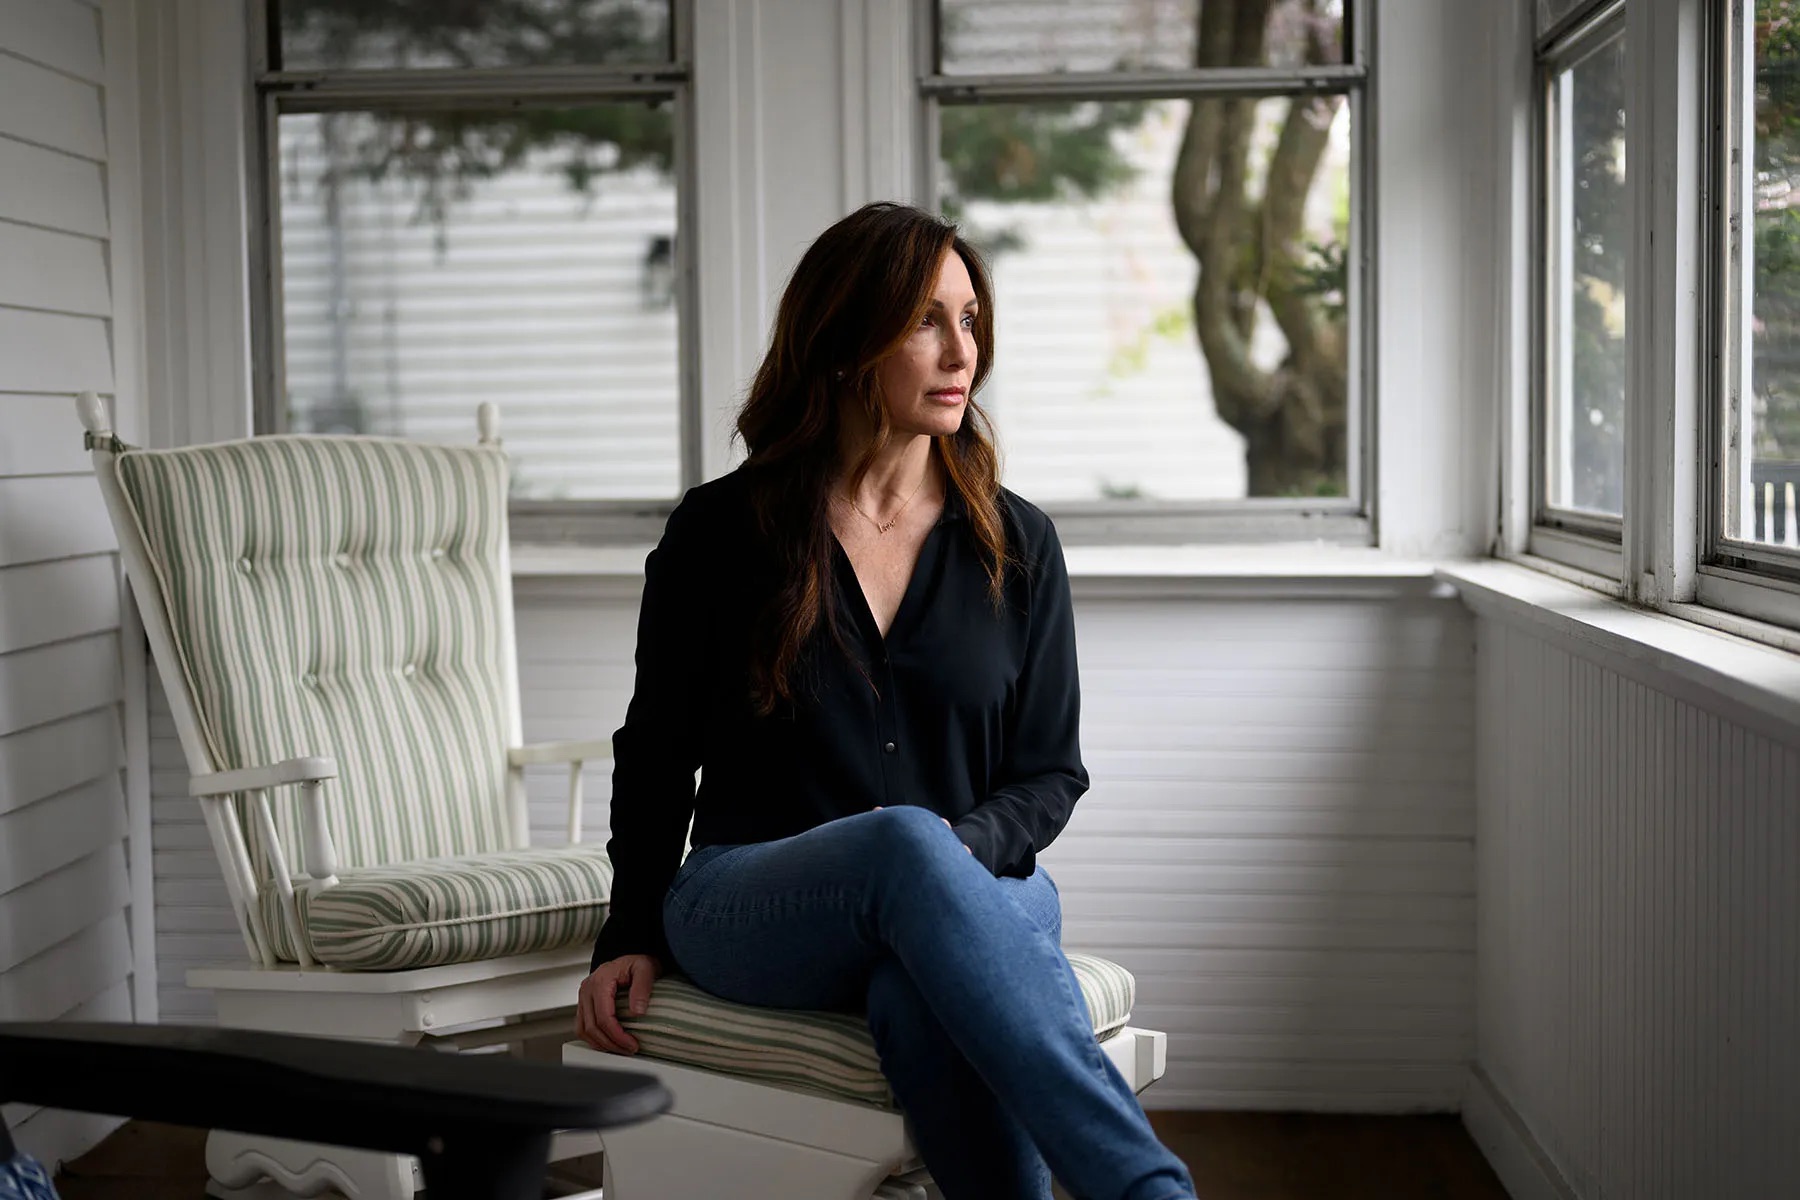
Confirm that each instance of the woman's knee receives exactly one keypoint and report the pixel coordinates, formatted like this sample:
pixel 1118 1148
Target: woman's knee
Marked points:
pixel 911 841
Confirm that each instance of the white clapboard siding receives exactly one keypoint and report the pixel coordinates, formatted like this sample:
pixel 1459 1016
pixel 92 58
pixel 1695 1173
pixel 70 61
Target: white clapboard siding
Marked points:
pixel 46 517
pixel 53 601
pixel 57 755
pixel 43 837
pixel 54 352
pixel 40 268
pixel 46 108
pixel 1639 991
pixel 51 190
pixel 48 683
pixel 43 436
pixel 65 37
pixel 65 882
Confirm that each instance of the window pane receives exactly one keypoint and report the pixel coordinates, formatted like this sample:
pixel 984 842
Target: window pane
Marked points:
pixel 434 261
pixel 322 34
pixel 1763 435
pixel 1585 244
pixel 1133 361
pixel 994 37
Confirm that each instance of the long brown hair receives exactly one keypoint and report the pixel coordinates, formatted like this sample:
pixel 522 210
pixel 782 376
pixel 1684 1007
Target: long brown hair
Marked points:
pixel 856 296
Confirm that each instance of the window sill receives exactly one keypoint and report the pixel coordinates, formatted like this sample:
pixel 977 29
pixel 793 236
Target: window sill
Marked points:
pixel 1652 647
pixel 1315 571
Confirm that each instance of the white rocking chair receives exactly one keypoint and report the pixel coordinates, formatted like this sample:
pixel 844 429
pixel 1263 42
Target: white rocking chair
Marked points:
pixel 332 620
pixel 351 597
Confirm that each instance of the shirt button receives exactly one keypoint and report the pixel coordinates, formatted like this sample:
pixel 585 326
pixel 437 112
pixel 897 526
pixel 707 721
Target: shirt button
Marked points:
pixel 889 747
pixel 408 669
pixel 343 560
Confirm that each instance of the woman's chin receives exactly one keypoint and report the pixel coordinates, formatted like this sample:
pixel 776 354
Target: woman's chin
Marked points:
pixel 943 422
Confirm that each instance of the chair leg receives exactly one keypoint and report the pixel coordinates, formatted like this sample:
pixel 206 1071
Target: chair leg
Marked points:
pixel 674 1158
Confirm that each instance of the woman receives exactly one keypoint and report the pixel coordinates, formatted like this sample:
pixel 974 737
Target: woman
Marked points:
pixel 866 645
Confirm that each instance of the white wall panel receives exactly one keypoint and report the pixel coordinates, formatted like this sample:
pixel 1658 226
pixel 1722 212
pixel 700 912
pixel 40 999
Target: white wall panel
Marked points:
pixel 52 190
pixel 43 436
pixel 40 268
pixel 49 683
pixel 48 517
pixel 55 756
pixel 1279 840
pixel 42 837
pixel 57 600
pixel 64 34
pixel 1639 872
pixel 66 888
pixel 63 903
pixel 50 352
pixel 49 109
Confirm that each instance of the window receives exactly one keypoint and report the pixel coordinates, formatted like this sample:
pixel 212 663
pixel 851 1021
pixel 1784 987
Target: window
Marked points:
pixel 1582 242
pixel 481 202
pixel 1169 193
pixel 1751 554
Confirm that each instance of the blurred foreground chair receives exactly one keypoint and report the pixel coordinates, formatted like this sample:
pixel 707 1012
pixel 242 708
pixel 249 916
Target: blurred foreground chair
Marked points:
pixel 332 620
pixel 480 1125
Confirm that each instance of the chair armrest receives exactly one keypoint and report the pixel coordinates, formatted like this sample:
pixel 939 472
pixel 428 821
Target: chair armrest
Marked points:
pixel 559 752
pixel 253 779
pixel 473 1119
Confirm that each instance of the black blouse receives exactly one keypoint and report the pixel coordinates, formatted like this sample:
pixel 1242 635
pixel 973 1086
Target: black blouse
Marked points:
pixel 969 712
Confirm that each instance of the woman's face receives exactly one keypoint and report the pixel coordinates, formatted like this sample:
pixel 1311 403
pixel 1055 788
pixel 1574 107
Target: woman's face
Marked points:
pixel 925 383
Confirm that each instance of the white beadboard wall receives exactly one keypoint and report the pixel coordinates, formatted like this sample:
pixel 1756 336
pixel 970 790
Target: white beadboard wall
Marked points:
pixel 66 323
pixel 1279 841
pixel 1639 984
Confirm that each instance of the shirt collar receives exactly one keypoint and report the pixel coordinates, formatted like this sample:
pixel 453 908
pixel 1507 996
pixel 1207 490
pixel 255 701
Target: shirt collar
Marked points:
pixel 955 507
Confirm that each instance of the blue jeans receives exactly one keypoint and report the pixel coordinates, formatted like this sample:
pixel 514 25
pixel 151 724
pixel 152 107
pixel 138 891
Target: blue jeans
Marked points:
pixel 978 1019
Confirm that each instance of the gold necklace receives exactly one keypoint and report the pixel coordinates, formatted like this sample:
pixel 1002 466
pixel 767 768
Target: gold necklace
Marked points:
pixel 895 519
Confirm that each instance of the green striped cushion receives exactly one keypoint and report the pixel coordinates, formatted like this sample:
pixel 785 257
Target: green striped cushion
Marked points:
pixel 827 1053
pixel 343 597
pixel 425 914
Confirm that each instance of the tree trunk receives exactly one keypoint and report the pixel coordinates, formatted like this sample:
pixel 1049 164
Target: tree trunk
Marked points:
pixel 1293 415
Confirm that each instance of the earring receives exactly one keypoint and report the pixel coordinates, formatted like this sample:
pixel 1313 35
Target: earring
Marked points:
pixel 838 374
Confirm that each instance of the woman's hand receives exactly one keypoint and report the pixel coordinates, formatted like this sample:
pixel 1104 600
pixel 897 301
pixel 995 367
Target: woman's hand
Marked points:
pixel 596 1020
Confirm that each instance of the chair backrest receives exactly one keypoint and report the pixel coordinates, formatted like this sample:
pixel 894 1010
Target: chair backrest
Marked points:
pixel 343 597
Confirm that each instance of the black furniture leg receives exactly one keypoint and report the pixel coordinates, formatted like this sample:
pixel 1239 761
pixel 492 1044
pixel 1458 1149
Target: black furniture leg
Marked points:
pixel 473 1165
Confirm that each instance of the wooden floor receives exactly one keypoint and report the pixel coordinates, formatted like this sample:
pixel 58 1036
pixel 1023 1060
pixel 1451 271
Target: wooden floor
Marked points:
pixel 1233 1156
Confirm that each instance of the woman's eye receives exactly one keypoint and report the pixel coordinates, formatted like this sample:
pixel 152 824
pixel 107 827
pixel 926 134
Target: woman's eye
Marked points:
pixel 968 322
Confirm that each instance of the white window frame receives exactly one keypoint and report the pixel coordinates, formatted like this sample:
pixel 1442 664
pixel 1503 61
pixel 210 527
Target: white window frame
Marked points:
pixel 1347 520
pixel 1587 542
pixel 1668 559
pixel 1751 580
pixel 274 92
